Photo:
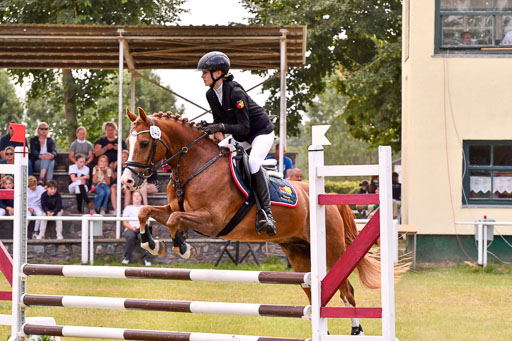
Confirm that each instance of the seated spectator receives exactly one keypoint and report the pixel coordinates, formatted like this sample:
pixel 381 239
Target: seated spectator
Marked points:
pixel 9 158
pixel 107 145
pixel 82 146
pixel 5 142
pixel 294 174
pixel 363 189
pixel 34 202
pixel 7 205
pixel 79 175
pixel 101 176
pixel 286 160
pixel 42 153
pixel 132 229
pixel 51 202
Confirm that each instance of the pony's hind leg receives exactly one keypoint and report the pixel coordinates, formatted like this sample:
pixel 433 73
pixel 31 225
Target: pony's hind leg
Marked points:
pixel 347 295
pixel 160 214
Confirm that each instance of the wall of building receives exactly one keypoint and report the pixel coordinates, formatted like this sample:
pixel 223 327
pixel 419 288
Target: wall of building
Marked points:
pixel 446 99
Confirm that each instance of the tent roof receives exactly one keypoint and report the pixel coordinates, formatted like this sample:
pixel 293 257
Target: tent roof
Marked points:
pixel 148 47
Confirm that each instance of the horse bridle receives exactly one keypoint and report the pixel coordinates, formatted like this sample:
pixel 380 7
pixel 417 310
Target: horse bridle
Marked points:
pixel 150 168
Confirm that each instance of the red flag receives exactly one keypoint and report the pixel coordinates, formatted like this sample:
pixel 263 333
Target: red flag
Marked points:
pixel 19 134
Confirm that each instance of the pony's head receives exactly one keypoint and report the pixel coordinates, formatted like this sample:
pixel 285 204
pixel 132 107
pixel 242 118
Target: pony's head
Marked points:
pixel 147 148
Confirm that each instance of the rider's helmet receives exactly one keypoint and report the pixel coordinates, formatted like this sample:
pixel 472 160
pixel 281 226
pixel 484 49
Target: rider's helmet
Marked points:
pixel 214 61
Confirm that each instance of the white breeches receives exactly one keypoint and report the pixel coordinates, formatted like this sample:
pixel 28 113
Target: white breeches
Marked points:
pixel 260 147
pixel 38 211
pixel 74 187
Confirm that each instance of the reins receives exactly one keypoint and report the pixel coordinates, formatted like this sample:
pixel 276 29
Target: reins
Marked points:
pixel 150 168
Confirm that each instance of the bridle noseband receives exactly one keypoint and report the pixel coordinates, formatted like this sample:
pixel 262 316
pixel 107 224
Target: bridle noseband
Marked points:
pixel 150 168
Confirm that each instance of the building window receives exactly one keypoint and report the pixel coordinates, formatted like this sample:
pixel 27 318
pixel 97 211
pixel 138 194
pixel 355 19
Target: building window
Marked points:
pixel 487 172
pixel 474 26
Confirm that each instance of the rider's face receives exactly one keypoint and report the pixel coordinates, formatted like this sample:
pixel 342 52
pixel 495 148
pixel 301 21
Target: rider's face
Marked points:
pixel 207 77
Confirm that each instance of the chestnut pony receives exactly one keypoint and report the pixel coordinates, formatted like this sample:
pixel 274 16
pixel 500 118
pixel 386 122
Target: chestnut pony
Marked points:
pixel 211 198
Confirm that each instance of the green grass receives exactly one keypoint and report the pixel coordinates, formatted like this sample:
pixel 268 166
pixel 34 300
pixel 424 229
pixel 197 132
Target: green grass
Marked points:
pixel 441 303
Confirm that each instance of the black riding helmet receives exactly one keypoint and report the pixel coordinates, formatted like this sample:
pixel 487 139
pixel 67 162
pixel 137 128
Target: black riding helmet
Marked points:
pixel 213 61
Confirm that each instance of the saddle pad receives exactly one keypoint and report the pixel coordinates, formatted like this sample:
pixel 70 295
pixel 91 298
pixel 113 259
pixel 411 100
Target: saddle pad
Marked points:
pixel 281 192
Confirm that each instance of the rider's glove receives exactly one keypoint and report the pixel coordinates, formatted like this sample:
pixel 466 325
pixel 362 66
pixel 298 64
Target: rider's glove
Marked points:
pixel 214 128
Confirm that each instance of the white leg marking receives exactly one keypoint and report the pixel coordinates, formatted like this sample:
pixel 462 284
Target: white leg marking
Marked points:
pixel 355 321
pixel 154 252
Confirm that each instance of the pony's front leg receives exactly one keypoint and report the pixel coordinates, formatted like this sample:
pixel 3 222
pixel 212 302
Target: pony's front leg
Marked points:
pixel 160 214
pixel 180 222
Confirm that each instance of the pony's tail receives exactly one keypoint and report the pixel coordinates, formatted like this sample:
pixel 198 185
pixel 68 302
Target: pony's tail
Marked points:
pixel 368 268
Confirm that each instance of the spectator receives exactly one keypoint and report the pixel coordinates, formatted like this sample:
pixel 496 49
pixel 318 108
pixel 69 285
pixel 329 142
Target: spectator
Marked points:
pixel 363 189
pixel 132 229
pixel 107 145
pixel 34 202
pixel 9 158
pixel 82 146
pixel 286 160
pixel 396 186
pixel 294 174
pixel 466 38
pixel 5 142
pixel 374 184
pixel 79 175
pixel 42 153
pixel 7 205
pixel 101 175
pixel 51 201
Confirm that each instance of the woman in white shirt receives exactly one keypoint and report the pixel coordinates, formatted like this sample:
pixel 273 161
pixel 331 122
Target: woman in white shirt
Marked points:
pixel 132 229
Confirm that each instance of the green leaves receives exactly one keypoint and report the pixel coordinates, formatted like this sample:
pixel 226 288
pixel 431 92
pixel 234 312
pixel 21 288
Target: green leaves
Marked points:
pixel 357 40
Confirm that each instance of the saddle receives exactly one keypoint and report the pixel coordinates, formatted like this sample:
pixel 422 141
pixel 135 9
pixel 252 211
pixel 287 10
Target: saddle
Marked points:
pixel 281 192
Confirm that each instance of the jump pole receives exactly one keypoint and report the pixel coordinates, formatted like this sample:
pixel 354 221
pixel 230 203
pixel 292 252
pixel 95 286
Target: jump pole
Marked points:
pixel 317 172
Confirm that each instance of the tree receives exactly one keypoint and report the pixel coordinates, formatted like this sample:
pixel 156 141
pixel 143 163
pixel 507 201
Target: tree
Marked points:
pixel 358 40
pixel 344 149
pixel 10 105
pixel 81 88
pixel 50 109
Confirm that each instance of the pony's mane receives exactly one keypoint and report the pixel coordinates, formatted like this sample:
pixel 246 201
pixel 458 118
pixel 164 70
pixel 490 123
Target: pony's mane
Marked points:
pixel 177 117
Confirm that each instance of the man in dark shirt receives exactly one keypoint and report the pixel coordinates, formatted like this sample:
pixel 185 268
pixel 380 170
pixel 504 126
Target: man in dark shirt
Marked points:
pixel 5 142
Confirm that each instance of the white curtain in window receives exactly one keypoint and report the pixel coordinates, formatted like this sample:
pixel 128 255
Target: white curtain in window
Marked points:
pixel 502 184
pixel 480 184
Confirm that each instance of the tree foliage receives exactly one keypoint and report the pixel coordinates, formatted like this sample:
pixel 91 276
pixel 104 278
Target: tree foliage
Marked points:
pixel 81 89
pixel 105 108
pixel 10 106
pixel 358 40
pixel 327 108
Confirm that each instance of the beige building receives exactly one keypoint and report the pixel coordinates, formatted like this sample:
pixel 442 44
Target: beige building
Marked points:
pixel 456 122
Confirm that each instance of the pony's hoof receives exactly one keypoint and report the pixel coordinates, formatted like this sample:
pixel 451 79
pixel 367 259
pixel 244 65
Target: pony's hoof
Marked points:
pixel 162 249
pixel 357 330
pixel 189 253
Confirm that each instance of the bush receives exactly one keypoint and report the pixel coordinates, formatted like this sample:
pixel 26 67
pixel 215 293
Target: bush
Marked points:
pixel 341 187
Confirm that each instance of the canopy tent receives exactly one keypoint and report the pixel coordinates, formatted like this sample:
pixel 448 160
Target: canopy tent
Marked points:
pixel 48 46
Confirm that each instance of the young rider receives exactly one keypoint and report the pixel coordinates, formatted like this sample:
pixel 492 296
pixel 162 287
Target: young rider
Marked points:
pixel 235 113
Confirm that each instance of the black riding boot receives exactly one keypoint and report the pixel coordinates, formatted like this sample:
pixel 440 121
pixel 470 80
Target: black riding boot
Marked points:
pixel 267 223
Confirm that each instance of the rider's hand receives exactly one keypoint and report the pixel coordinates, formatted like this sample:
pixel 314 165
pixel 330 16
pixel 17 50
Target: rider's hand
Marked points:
pixel 214 128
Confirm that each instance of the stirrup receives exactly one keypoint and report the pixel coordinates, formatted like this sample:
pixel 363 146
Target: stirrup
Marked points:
pixel 266 224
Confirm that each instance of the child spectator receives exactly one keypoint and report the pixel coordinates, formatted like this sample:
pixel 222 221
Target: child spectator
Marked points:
pixel 101 175
pixel 51 201
pixel 34 202
pixel 79 174
pixel 7 205
pixel 131 231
